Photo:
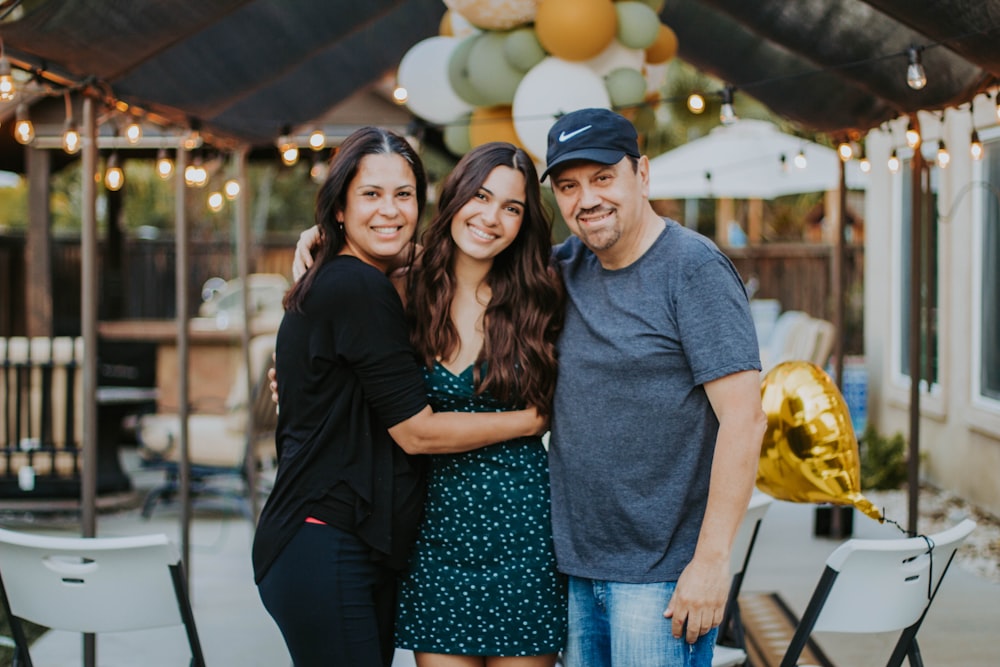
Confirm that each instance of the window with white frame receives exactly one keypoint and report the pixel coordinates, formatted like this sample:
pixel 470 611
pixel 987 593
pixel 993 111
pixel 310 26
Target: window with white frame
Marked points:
pixel 929 270
pixel 989 275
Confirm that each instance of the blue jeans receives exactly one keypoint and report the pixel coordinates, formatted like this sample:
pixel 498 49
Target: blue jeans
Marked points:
pixel 622 625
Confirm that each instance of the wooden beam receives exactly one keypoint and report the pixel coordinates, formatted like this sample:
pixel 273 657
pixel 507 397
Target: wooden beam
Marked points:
pixel 38 250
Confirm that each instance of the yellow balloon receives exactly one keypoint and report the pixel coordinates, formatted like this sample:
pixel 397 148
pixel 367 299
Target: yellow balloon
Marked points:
pixel 576 29
pixel 664 48
pixel 492 124
pixel 809 454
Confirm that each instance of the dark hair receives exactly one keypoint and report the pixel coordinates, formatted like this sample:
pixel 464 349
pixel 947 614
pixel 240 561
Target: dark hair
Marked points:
pixel 525 312
pixel 332 196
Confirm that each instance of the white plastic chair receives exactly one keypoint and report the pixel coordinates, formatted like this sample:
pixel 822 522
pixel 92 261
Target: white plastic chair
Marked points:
pixel 879 586
pixel 733 652
pixel 93 585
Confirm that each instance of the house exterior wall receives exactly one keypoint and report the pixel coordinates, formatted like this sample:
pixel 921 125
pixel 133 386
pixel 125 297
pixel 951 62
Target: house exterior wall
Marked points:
pixel 959 431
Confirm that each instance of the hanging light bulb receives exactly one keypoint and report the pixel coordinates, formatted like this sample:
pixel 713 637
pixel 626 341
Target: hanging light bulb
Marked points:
pixel 696 103
pixel 943 156
pixel 215 201
pixel 71 137
pixel 726 114
pixel 317 140
pixel 193 140
pixel 893 161
pixel 319 171
pixel 800 160
pixel 114 177
pixel 133 132
pixel 195 175
pixel 164 165
pixel 916 77
pixel 400 95
pixel 232 189
pixel 7 87
pixel 975 146
pixel 863 162
pixel 845 151
pixel 912 136
pixel 24 130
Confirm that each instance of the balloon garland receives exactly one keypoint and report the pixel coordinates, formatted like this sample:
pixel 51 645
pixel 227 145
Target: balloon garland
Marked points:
pixel 505 70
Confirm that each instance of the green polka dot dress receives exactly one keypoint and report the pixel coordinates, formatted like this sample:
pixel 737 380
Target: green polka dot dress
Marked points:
pixel 482 579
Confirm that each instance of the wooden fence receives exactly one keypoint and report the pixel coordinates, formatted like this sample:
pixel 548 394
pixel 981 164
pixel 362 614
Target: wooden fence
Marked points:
pixel 798 275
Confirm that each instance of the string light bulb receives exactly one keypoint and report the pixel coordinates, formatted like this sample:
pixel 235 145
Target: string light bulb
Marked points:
pixel 71 136
pixel 114 177
pixel 215 201
pixel 696 103
pixel 193 140
pixel 845 151
pixel 133 132
pixel 232 189
pixel 195 175
pixel 164 165
pixel 727 115
pixel 400 95
pixel 943 156
pixel 912 136
pixel 8 89
pixel 863 162
pixel 317 140
pixel 800 160
pixel 893 161
pixel 24 130
pixel 287 148
pixel 975 146
pixel 916 76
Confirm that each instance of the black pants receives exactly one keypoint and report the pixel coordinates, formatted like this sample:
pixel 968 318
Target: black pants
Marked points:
pixel 333 605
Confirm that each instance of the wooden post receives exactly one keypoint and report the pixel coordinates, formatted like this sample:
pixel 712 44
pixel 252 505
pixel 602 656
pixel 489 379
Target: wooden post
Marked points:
pixel 38 253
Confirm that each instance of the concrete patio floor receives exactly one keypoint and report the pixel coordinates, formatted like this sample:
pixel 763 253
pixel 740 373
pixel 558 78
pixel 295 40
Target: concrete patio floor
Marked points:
pixel 236 631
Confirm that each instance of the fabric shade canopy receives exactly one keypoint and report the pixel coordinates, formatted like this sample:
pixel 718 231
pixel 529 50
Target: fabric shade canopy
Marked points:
pixel 750 159
pixel 245 69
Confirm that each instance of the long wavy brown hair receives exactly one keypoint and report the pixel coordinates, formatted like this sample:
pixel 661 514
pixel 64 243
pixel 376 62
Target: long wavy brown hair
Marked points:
pixel 331 198
pixel 525 313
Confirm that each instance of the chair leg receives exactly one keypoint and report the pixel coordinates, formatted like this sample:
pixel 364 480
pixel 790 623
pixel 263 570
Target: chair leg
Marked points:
pixel 21 656
pixel 184 603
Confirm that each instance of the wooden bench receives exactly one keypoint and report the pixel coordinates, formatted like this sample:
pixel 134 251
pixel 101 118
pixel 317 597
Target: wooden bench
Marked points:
pixel 41 417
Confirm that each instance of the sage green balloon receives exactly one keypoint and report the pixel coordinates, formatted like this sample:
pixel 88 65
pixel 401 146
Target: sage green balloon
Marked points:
pixel 626 87
pixel 522 49
pixel 458 73
pixel 456 136
pixel 490 73
pixel 638 24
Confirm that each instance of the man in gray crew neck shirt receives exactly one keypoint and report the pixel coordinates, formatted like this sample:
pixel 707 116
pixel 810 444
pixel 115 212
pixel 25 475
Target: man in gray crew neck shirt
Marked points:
pixel 657 419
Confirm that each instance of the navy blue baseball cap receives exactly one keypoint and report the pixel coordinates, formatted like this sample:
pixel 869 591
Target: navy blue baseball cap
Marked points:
pixel 595 135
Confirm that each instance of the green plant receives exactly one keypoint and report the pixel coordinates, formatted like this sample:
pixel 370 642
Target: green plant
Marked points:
pixel 883 460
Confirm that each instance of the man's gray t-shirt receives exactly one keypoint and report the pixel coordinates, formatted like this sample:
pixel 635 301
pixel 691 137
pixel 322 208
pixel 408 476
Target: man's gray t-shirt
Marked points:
pixel 633 433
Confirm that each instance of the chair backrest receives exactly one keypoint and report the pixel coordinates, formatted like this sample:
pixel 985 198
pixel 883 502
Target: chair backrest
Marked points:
pixel 95 585
pixel 885 585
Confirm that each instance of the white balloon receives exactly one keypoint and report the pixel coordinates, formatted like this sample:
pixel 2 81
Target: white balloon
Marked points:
pixel 550 89
pixel 423 71
pixel 656 75
pixel 615 56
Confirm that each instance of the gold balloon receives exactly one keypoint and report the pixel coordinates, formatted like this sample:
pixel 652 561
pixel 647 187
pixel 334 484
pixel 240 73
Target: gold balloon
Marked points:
pixel 576 29
pixel 810 453
pixel 492 124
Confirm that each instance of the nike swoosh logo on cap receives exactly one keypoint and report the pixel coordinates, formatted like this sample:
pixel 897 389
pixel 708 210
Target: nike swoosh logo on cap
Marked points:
pixel 563 136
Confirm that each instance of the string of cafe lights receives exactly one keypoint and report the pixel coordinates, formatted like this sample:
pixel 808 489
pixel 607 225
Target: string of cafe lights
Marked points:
pixel 129 126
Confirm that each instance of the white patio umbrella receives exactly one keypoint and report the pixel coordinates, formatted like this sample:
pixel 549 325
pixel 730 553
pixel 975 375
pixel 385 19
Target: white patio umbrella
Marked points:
pixel 749 159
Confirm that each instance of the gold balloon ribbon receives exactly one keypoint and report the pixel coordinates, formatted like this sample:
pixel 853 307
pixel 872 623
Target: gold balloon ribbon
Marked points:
pixel 809 453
